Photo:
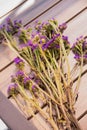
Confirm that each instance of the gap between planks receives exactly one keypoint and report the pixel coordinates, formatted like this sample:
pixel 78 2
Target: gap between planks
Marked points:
pixel 13 8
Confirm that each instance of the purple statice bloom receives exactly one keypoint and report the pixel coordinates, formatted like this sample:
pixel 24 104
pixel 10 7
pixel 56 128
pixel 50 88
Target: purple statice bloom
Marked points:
pixel 74 44
pixel 26 79
pixel 65 38
pixel 80 38
pixel 33 46
pixel 9 22
pixel 17 60
pixel 30 43
pixel 42 39
pixel 20 73
pixel 9 29
pixel 56 36
pixel 84 45
pixel 57 46
pixel 19 32
pixel 33 87
pixel 85 56
pixel 12 88
pixel 32 35
pixel 77 56
pixel 45 46
pixel 1 27
pixel 17 24
pixel 62 27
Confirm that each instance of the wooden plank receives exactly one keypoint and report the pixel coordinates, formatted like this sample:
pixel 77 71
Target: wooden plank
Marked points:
pixel 57 13
pixel 81 104
pixel 64 10
pixel 34 7
pixel 77 26
pixel 5 7
pixel 40 123
pixel 83 123
pixel 12 117
pixel 6 55
pixel 5 78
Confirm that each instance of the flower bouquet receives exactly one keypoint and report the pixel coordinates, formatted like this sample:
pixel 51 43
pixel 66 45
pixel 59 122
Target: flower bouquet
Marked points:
pixel 50 80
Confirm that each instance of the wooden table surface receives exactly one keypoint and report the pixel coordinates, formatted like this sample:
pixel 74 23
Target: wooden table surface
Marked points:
pixel 74 12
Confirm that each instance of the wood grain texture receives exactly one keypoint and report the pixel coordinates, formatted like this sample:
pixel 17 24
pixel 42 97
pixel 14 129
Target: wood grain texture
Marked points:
pixel 29 10
pixel 5 78
pixel 77 26
pixel 83 123
pixel 13 118
pixel 81 104
pixel 6 55
pixel 5 7
pixel 64 10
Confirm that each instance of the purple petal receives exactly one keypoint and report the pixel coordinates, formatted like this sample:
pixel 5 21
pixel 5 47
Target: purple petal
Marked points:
pixel 17 60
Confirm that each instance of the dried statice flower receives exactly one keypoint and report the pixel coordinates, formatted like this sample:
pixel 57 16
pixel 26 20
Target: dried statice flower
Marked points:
pixel 32 45
pixel 20 76
pixel 62 27
pixel 20 73
pixel 79 49
pixel 23 35
pixel 50 42
pixel 19 63
pixel 10 27
pixel 13 27
pixel 18 60
pixel 26 82
pixel 12 89
pixel 33 87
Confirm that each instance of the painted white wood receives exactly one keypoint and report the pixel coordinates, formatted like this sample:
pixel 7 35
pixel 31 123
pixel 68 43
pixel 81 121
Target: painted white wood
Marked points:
pixel 78 27
pixel 64 10
pixel 83 122
pixel 81 104
pixel 6 56
pixel 6 6
pixel 29 10
pixel 5 78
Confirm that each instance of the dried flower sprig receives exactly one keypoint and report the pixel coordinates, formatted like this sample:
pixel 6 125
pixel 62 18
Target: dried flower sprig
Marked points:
pixel 80 49
pixel 10 27
pixel 46 50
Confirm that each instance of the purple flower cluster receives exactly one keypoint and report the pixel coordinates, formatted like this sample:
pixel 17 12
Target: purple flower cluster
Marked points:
pixel 32 45
pixel 62 27
pixel 19 73
pixel 12 89
pixel 26 80
pixel 79 49
pixel 10 27
pixel 18 60
pixel 13 27
pixel 50 42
